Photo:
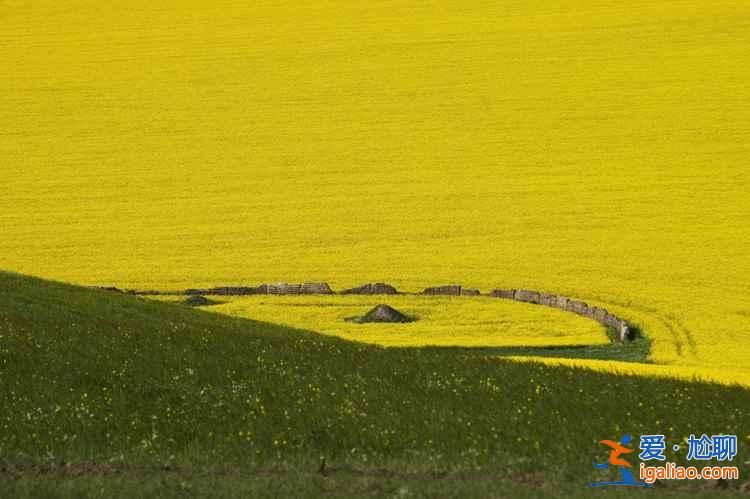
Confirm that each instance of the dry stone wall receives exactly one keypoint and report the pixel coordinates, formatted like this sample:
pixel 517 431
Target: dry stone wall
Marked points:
pixel 601 315
pixel 449 290
pixel 377 288
pixel 279 288
pixel 315 288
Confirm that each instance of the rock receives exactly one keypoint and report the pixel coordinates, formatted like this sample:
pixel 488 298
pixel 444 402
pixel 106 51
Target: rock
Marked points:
pixel 547 300
pixel 578 307
pixel 598 314
pixel 621 327
pixel 382 313
pixel 377 288
pixel 562 302
pixel 315 288
pixel 526 296
pixel 282 288
pixel 450 290
pixel 470 292
pixel 503 293
pixel 624 332
pixel 198 301
pixel 611 321
pixel 381 288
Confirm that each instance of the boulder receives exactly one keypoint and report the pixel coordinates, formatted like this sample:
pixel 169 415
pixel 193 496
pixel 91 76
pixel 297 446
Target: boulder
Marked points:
pixel 315 288
pixel 547 300
pixel 611 321
pixel 503 293
pixel 469 292
pixel 624 332
pixel 382 313
pixel 562 302
pixel 578 307
pixel 377 288
pixel 283 288
pixel 598 314
pixel 526 296
pixel 197 301
pixel 450 290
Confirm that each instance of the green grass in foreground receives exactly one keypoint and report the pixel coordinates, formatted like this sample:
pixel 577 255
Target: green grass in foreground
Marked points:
pixel 110 395
pixel 304 484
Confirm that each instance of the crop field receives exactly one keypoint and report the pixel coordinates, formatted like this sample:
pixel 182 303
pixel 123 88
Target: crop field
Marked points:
pixel 442 321
pixel 596 150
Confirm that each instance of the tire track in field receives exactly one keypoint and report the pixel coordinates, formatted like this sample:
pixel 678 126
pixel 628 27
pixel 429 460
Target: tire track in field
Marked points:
pixel 681 337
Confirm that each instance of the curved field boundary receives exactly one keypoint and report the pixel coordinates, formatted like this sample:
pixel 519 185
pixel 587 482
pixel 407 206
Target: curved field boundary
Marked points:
pixel 603 316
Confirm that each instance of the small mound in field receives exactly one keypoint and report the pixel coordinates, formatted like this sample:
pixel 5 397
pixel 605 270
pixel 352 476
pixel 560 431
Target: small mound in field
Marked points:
pixel 382 313
pixel 198 301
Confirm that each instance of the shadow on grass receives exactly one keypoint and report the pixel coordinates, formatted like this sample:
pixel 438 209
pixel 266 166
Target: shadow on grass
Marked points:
pixel 636 350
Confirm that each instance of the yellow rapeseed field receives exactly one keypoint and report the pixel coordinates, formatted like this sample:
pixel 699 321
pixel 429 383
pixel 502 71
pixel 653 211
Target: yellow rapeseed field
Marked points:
pixel 442 321
pixel 595 149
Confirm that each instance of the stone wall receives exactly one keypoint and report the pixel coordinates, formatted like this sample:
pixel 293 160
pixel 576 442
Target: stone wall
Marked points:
pixel 376 288
pixel 503 293
pixel 279 288
pixel 526 296
pixel 601 315
pixel 315 288
pixel 283 288
pixel 449 290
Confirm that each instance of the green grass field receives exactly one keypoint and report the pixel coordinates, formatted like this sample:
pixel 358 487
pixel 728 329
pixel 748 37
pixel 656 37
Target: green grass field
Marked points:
pixel 109 395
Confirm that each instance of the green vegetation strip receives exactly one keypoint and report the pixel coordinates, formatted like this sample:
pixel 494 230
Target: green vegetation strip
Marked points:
pixel 636 350
pixel 110 379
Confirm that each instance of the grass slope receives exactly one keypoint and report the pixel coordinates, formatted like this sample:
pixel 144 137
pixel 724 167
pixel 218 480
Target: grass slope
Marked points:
pixel 141 397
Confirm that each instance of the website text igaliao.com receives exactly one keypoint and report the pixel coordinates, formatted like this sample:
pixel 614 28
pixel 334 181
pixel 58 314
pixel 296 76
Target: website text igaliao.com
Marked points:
pixel 672 471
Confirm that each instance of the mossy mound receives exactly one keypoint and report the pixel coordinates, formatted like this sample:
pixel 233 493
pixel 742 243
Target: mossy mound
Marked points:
pixel 198 301
pixel 382 313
